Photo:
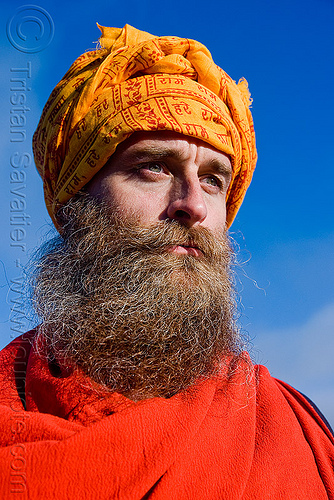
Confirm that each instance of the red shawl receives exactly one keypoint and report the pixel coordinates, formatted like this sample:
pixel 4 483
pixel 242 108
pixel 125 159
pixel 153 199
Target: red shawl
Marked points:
pixel 246 437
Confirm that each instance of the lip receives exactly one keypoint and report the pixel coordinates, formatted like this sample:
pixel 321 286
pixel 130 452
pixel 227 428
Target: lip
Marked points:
pixel 186 250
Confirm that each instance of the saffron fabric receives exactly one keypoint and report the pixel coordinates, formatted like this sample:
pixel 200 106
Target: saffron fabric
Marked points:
pixel 243 436
pixel 135 82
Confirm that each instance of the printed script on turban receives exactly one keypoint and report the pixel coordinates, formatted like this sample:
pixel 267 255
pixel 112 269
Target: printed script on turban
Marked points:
pixel 135 82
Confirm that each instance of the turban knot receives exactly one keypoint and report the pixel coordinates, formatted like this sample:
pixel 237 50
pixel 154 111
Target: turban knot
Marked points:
pixel 133 82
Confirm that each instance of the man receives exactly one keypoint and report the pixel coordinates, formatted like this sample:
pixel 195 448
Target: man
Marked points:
pixel 136 383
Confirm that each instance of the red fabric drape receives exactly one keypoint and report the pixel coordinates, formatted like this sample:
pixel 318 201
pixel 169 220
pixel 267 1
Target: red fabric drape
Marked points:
pixel 248 437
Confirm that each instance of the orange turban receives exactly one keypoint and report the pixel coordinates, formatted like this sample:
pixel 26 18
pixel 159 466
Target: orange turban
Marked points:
pixel 137 81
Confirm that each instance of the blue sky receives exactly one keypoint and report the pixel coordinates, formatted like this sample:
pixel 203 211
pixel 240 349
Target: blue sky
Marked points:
pixel 285 228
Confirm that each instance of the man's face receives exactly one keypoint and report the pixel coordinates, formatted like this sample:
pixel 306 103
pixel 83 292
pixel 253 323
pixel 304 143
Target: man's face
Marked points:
pixel 165 175
pixel 138 293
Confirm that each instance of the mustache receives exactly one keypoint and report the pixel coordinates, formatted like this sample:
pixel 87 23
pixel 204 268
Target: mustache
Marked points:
pixel 168 233
pixel 155 239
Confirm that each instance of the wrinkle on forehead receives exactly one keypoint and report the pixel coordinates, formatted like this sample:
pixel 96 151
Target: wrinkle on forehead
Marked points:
pixel 178 147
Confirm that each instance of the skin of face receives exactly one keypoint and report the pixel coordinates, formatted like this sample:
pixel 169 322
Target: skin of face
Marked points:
pixel 166 175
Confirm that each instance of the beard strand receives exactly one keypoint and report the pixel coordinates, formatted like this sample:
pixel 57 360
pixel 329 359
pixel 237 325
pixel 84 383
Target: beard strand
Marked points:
pixel 134 317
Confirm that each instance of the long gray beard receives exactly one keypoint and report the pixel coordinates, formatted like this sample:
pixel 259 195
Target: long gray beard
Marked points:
pixel 137 319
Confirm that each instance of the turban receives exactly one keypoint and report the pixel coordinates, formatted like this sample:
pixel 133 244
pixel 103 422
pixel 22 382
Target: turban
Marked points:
pixel 133 82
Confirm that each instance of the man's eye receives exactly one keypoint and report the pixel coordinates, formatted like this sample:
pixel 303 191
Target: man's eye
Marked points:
pixel 213 181
pixel 157 168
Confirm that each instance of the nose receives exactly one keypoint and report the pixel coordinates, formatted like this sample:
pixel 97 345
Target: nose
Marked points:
pixel 187 204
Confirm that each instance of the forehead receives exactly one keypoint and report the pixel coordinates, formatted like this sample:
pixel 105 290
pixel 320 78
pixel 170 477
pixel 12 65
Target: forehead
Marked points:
pixel 167 143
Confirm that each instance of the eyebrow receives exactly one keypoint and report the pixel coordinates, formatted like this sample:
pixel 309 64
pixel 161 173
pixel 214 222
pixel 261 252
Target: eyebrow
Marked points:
pixel 220 167
pixel 153 152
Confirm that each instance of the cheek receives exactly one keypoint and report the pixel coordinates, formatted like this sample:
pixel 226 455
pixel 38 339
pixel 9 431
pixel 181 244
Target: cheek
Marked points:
pixel 216 219
pixel 148 207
